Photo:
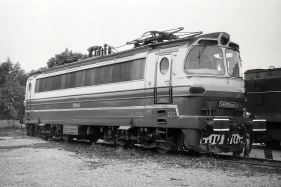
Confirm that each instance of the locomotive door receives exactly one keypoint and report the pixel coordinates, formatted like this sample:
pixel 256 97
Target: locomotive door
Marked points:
pixel 163 84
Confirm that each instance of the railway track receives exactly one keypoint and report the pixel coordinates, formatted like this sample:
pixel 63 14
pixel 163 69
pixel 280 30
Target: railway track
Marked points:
pixel 266 147
pixel 249 160
pixel 222 157
pixel 236 159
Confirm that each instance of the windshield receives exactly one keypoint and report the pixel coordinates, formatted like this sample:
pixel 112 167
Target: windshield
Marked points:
pixel 205 60
pixel 233 62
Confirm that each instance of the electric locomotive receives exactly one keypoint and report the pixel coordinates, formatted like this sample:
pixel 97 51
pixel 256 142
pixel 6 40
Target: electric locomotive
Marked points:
pixel 167 92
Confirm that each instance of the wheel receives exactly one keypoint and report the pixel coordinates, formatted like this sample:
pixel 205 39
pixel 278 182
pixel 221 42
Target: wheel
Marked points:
pixel 162 148
pixel 162 151
pixel 27 127
pixel 36 131
pixel 124 143
pixel 46 136
pixel 236 153
pixel 69 138
pixel 93 139
pixel 32 130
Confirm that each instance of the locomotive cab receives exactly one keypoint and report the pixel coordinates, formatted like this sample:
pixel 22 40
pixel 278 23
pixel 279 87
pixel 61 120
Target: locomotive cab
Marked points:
pixel 215 102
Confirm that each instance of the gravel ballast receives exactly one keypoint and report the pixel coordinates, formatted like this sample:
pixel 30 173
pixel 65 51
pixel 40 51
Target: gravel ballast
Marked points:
pixel 28 161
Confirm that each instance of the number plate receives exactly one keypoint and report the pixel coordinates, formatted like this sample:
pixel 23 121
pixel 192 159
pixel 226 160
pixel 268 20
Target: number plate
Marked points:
pixel 76 105
pixel 225 104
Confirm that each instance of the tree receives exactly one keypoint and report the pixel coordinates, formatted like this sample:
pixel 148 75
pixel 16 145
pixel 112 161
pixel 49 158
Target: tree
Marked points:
pixel 20 74
pixel 12 90
pixel 32 71
pixel 51 62
pixel 5 68
pixel 65 58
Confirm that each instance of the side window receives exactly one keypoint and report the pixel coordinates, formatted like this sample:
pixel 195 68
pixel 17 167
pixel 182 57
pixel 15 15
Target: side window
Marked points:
pixel 106 74
pixel 47 84
pixel 117 72
pixel 89 77
pixel 72 80
pixel 37 85
pixel 138 69
pixel 57 82
pixel 65 81
pixel 79 78
pixel 41 84
pixel 232 61
pixel 164 65
pixel 97 76
pixel 126 71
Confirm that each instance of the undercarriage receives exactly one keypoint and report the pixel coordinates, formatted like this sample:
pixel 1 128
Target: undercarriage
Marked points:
pixel 161 139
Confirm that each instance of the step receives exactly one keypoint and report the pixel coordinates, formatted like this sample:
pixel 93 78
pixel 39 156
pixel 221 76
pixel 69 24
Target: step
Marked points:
pixel 161 132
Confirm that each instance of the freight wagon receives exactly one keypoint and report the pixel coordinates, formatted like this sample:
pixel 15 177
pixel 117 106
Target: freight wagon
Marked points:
pixel 263 90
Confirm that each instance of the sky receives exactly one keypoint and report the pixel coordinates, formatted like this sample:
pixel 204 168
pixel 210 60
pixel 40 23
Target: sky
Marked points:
pixel 33 31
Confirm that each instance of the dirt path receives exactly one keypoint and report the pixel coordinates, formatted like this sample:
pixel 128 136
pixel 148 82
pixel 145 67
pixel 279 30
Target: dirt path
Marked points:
pixel 26 161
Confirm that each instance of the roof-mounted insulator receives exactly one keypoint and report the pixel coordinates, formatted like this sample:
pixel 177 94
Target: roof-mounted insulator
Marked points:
pixel 99 50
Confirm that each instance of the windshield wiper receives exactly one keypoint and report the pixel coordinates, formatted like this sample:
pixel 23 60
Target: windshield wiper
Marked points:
pixel 201 51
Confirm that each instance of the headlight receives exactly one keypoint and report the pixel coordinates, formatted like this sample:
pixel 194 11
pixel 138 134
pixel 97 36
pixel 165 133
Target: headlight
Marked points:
pixel 225 39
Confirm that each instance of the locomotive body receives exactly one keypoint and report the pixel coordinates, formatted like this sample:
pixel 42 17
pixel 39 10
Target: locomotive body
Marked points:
pixel 263 88
pixel 180 94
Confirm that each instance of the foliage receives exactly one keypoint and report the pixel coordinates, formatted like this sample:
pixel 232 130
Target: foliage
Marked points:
pixel 13 79
pixel 32 71
pixel 5 68
pixel 65 58
pixel 12 90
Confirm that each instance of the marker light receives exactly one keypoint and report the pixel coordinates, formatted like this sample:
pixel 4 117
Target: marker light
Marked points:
pixel 224 39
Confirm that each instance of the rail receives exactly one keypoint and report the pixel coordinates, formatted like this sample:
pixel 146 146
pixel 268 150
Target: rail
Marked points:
pixel 249 160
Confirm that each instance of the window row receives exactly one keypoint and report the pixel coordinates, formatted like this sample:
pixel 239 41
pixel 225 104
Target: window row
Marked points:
pixel 126 71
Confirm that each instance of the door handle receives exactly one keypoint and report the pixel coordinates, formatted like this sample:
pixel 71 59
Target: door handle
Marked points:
pixel 167 83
